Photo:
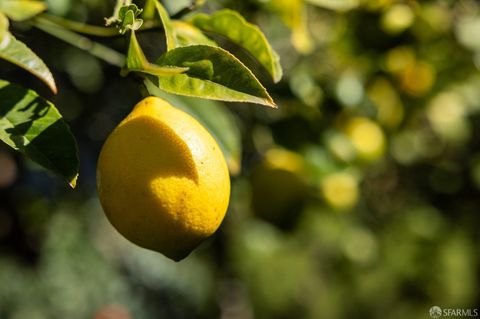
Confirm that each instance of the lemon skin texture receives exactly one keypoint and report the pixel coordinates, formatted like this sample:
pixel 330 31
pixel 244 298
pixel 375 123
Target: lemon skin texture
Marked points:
pixel 162 179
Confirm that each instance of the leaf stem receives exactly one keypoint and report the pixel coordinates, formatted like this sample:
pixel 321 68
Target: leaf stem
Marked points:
pixel 100 51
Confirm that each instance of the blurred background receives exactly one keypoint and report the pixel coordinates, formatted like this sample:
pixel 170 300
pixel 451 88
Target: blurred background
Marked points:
pixel 357 198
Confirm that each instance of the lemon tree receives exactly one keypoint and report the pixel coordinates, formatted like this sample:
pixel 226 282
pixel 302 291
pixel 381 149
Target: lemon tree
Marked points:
pixel 163 179
pixel 193 65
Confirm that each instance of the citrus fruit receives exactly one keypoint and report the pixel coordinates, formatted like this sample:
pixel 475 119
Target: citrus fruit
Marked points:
pixel 340 190
pixel 162 179
pixel 277 196
pixel 367 138
pixel 278 190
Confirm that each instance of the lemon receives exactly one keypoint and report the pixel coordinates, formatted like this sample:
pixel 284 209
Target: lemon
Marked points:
pixel 340 190
pixel 367 138
pixel 162 179
pixel 278 190
pixel 278 196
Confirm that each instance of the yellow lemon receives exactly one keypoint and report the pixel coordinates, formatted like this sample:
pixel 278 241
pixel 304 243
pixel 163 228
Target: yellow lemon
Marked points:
pixel 162 179
pixel 367 137
pixel 340 190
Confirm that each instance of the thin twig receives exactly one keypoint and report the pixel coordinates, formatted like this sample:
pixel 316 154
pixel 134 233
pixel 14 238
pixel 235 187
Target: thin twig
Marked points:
pixel 100 51
pixel 99 31
pixel 93 30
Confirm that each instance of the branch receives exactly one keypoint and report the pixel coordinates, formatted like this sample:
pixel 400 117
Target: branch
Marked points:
pixel 92 30
pixel 100 51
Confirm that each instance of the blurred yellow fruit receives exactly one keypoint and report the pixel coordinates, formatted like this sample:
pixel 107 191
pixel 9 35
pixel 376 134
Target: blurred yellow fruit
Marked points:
pixel 387 102
pixel 399 59
pixel 397 18
pixel 340 190
pixel 283 159
pixel 162 179
pixel 447 113
pixel 277 195
pixel 417 79
pixel 367 137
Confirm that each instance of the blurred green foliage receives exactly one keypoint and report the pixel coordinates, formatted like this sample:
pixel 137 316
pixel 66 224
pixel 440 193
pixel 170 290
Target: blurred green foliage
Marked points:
pixel 357 198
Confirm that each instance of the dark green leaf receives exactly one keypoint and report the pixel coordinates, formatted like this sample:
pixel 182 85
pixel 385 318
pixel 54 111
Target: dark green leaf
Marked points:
pixel 34 127
pixel 137 62
pixel 215 117
pixel 230 80
pixel 20 10
pixel 18 53
pixel 167 26
pixel 234 27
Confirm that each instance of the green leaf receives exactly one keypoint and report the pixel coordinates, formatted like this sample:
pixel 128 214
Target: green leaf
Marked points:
pixel 18 53
pixel 132 8
pixel 128 17
pixel 20 10
pixel 167 26
pixel 125 18
pixel 137 62
pixel 34 127
pixel 215 117
pixel 234 27
pixel 4 24
pixel 188 34
pixel 149 10
pixel 339 5
pixel 227 80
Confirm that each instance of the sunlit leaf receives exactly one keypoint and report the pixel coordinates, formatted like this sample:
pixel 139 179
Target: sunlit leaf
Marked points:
pixel 4 24
pixel 34 127
pixel 234 27
pixel 188 34
pixel 20 10
pixel 137 62
pixel 339 5
pixel 149 10
pixel 18 53
pixel 213 73
pixel 215 117
pixel 167 26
